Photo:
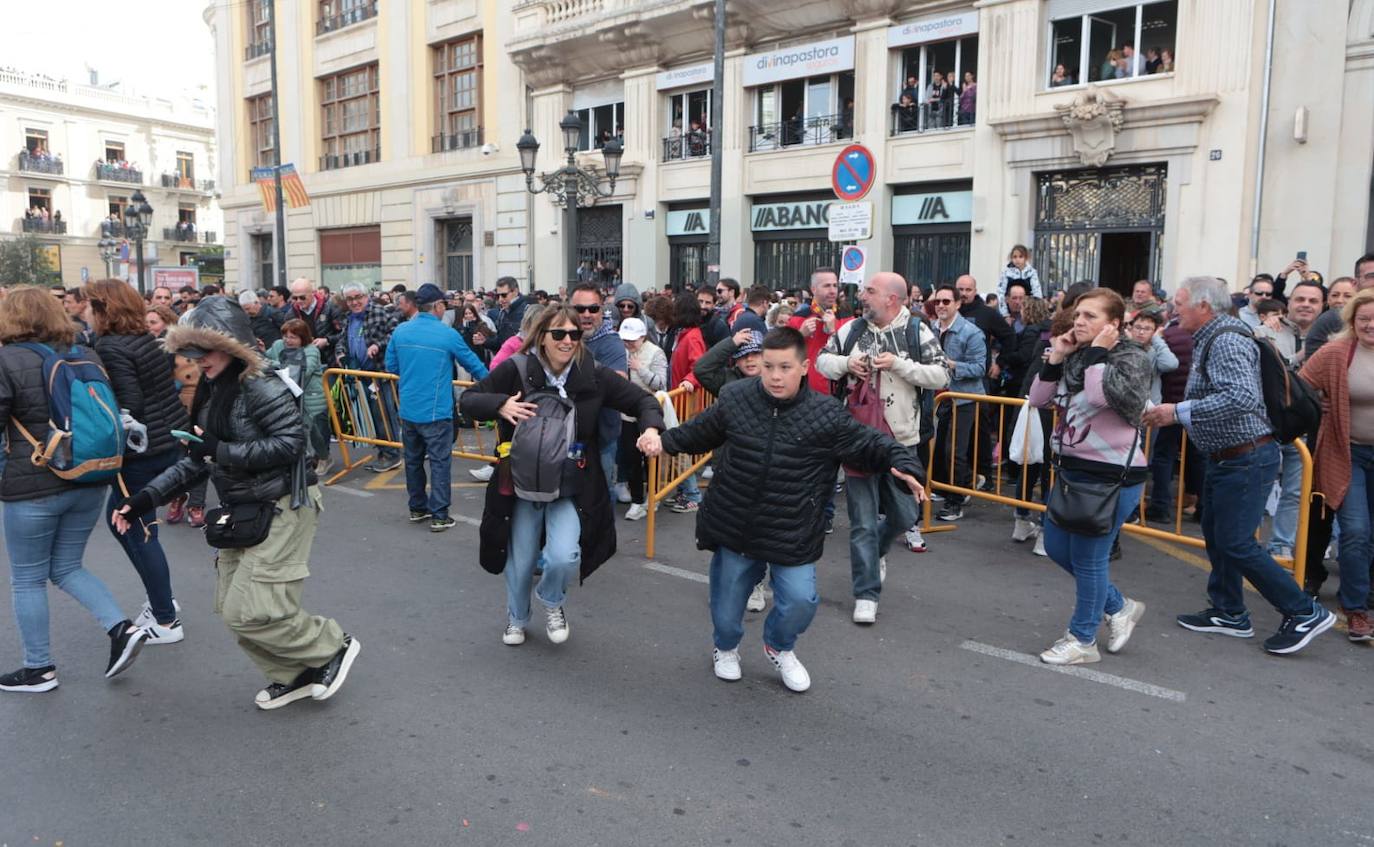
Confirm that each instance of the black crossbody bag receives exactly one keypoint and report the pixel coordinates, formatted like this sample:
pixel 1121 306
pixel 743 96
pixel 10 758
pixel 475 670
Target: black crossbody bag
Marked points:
pixel 1086 507
pixel 239 526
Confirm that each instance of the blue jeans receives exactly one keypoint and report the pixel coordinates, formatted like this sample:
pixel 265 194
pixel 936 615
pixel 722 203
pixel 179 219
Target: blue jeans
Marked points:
pixel 562 554
pixel 1085 557
pixel 1356 517
pixel 1233 495
pixel 1164 450
pixel 880 509
pixel 144 550
pixel 384 417
pixel 608 452
pixel 432 441
pixel 45 539
pixel 690 489
pixel 733 577
pixel 1285 529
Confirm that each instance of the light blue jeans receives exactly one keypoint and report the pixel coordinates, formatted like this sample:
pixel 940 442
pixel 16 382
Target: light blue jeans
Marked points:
pixel 1285 528
pixel 46 538
pixel 1086 558
pixel 562 555
pixel 733 577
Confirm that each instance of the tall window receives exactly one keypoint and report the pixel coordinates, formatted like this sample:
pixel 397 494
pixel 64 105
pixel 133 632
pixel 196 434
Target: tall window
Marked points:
pixel 600 124
pixel 40 198
pixel 117 203
pixel 817 110
pixel 259 23
pixel 689 125
pixel 936 86
pixel 186 166
pixel 458 93
pixel 352 118
pixel 260 130
pixel 457 241
pixel 36 141
pixel 114 151
pixel 263 260
pixel 1119 42
pixel 186 214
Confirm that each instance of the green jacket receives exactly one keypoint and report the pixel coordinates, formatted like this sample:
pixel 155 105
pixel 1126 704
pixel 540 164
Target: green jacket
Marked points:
pixel 312 383
pixel 716 367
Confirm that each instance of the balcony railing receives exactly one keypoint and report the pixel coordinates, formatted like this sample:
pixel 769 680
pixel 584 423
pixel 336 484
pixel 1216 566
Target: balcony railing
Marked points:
pixel 185 183
pixel 114 173
pixel 348 160
pixel 177 233
pixel 256 49
pixel 464 140
pixel 111 229
pixel 39 164
pixel 356 15
pixel 929 117
pixel 795 132
pixel 209 237
pixel 38 225
pixel 692 145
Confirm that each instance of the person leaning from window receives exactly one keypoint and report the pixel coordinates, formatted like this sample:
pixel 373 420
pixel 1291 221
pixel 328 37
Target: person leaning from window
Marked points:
pixel 905 113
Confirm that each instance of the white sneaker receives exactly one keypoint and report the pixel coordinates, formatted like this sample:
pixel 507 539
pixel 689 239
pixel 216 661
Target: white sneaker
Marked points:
pixel 882 570
pixel 865 611
pixel 1040 544
pixel 726 664
pixel 557 625
pixel 482 474
pixel 513 635
pixel 914 542
pixel 1022 529
pixel 1070 651
pixel 794 674
pixel 1122 624
pixel 169 634
pixel 637 512
pixel 707 473
pixel 622 493
pixel 758 599
pixel 145 615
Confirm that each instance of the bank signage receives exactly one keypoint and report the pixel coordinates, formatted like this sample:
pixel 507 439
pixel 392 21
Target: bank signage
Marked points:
pixel 690 75
pixel 689 222
pixel 813 58
pixel 774 216
pixel 933 28
pixel 946 207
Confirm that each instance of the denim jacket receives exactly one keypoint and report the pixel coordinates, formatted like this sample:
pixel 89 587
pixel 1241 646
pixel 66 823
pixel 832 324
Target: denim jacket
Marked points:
pixel 966 346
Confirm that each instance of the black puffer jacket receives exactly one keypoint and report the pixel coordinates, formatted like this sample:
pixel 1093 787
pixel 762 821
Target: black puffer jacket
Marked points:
pixel 24 398
pixel 141 373
pixel 777 468
pixel 265 434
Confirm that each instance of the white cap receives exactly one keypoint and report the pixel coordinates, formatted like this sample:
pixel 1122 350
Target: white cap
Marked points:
pixel 632 329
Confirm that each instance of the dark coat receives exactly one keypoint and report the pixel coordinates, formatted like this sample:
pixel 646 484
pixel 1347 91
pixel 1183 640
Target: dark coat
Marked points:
pixel 508 321
pixel 141 375
pixel 776 466
pixel 590 387
pixel 267 325
pixel 1173 384
pixel 24 398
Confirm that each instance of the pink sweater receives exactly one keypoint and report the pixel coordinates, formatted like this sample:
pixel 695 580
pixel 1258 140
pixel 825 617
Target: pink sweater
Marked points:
pixel 509 348
pixel 1090 429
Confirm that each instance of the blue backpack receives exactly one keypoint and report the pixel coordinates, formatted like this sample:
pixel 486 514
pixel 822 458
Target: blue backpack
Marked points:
pixel 85 431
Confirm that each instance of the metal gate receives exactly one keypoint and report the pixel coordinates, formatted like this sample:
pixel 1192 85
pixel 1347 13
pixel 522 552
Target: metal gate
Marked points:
pixel 1074 208
pixel 457 235
pixel 686 263
pixel 599 235
pixel 931 260
pixel 785 264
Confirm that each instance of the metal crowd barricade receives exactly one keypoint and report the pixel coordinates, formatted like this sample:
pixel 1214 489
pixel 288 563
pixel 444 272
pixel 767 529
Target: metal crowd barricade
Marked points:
pixel 355 425
pixel 666 473
pixel 1297 563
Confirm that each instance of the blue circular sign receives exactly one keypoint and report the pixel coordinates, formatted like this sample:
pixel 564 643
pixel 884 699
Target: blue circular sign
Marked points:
pixel 854 173
pixel 852 259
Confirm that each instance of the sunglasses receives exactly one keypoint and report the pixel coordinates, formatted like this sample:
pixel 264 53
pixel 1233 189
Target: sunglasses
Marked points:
pixel 627 307
pixel 586 310
pixel 722 291
pixel 561 334
pixel 501 295
pixel 942 301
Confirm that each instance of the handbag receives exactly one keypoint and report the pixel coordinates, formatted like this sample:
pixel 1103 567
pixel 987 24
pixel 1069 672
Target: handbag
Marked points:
pixel 1086 506
pixel 865 405
pixel 238 526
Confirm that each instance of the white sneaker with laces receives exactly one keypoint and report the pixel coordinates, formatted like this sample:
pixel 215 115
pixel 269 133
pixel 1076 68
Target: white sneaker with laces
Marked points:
pixel 622 493
pixel 914 541
pixel 865 611
pixel 513 635
pixel 758 599
pixel 794 674
pixel 145 615
pixel 1070 651
pixel 1022 530
pixel 708 473
pixel 726 663
pixel 1040 544
pixel 557 624
pixel 637 512
pixel 482 474
pixel 1122 624
pixel 169 634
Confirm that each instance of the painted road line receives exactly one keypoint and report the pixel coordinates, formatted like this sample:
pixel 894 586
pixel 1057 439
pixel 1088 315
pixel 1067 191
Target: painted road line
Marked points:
pixel 678 572
pixel 1075 670
pixel 355 492
pixel 477 522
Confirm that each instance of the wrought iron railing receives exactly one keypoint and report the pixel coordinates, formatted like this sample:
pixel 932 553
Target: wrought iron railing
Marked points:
pixel 799 131
pixel 111 229
pixel 690 145
pixel 929 117
pixel 185 183
pixel 114 173
pixel 256 49
pixel 348 160
pixel 39 164
pixel 49 227
pixel 463 140
pixel 356 15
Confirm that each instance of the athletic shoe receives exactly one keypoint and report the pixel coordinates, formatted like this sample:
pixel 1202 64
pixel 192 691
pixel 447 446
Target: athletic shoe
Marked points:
pixel 914 542
pixel 683 506
pixel 758 599
pixel 417 515
pixel 30 680
pixel 169 634
pixel 709 472
pixel 637 512
pixel 794 674
pixel 936 497
pixel 176 510
pixel 1070 651
pixel 622 493
pixel 1281 551
pixel 126 640
pixel 482 474
pixel 1039 548
pixel 1297 631
pixel 951 511
pixel 145 615
pixel 195 516
pixel 1158 514
pixel 865 611
pixel 726 663
pixel 441 524
pixel 1022 530
pixel 331 676
pixel 983 484
pixel 882 570
pixel 383 465
pixel 1358 626
pixel 1215 620
pixel 513 635
pixel 1122 624
pixel 280 694
pixel 829 526
pixel 556 624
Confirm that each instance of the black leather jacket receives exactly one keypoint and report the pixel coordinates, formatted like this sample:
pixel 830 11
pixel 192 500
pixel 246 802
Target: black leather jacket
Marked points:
pixel 141 375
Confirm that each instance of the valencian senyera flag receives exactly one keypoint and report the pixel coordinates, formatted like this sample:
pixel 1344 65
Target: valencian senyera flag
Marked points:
pixel 292 189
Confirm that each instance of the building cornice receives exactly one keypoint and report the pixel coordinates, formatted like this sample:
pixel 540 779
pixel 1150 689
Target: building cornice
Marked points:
pixel 1176 110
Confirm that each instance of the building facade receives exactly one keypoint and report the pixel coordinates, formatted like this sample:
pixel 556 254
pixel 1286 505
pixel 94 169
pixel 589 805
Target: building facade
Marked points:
pixel 73 156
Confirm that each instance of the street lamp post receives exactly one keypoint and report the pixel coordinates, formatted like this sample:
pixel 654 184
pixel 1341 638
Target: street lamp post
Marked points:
pixel 109 248
pixel 138 217
pixel 570 186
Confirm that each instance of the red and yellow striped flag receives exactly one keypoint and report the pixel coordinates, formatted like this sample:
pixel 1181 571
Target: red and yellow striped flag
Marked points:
pixel 292 189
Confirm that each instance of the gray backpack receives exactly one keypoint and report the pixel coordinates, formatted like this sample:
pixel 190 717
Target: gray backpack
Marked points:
pixel 545 456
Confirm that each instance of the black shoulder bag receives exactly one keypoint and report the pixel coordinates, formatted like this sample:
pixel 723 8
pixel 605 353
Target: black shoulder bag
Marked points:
pixel 239 526
pixel 1086 507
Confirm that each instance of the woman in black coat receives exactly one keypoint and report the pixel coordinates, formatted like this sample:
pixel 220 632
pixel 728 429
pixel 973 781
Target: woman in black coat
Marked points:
pixel 578 529
pixel 141 375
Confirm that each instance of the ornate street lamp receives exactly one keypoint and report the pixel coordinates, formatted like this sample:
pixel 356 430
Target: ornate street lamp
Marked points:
pixel 138 217
pixel 109 249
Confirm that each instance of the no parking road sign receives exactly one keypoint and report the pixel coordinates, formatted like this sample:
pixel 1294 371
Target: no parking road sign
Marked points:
pixel 852 262
pixel 854 173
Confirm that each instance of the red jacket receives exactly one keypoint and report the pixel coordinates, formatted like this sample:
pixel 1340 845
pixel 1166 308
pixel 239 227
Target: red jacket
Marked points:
pixel 815 344
pixel 690 346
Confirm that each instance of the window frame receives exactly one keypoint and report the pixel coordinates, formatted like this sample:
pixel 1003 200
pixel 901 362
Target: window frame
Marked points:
pixel 764 143
pixel 187 159
pixel 43 194
pixel 922 78
pixel 260 130
pixel 116 146
pixel 444 75
pixel 40 135
pixel 587 114
pixel 1085 43
pixel 259 21
pixel 335 99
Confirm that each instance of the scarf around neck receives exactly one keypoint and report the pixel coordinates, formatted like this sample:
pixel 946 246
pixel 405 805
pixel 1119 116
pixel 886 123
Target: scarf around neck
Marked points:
pixel 1126 381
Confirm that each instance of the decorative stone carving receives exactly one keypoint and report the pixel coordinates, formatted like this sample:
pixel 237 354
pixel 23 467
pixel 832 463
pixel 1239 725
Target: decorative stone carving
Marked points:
pixel 1093 119
pixel 633 43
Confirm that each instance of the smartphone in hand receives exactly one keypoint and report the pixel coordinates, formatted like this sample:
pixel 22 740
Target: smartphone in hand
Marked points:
pixel 183 435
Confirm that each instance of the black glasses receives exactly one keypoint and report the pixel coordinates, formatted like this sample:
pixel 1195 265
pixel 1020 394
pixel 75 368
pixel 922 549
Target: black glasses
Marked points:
pixel 942 301
pixel 560 334
pixel 501 295
pixel 627 307
pixel 722 291
pixel 586 310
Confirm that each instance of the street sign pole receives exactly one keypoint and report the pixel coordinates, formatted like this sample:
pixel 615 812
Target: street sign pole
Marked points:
pixel 279 242
pixel 717 94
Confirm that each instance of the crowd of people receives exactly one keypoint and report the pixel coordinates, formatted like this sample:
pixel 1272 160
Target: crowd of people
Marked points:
pixel 1118 63
pixel 816 392
pixel 946 101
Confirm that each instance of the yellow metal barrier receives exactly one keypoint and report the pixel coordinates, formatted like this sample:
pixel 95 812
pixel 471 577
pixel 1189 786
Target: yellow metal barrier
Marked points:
pixel 1298 562
pixel 666 473
pixel 360 423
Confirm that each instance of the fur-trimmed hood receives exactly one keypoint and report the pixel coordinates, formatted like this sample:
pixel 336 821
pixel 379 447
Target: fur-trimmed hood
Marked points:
pixel 217 323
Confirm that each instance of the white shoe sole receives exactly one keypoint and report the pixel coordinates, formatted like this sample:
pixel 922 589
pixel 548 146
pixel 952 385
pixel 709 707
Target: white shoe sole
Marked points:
pixel 728 672
pixel 1115 645
pixel 131 651
pixel 178 634
pixel 48 685
pixel 866 617
pixel 305 692
pixel 513 639
pixel 352 653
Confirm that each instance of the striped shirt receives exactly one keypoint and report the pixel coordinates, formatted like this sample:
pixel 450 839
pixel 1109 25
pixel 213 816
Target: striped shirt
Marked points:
pixel 1223 405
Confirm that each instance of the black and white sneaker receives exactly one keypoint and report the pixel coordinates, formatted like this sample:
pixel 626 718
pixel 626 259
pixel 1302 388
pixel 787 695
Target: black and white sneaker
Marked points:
pixel 280 694
pixel 1297 631
pixel 331 676
pixel 441 524
pixel 125 642
pixel 1215 620
pixel 145 615
pixel 953 510
pixel 30 680
pixel 417 515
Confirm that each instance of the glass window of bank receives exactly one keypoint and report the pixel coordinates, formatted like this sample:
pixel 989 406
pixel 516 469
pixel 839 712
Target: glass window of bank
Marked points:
pixel 1089 40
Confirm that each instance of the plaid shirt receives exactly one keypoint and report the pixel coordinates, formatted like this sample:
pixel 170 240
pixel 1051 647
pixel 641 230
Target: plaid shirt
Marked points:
pixel 378 324
pixel 1224 404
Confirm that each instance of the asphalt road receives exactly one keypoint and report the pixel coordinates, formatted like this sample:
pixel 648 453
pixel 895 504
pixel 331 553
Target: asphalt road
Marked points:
pixel 929 728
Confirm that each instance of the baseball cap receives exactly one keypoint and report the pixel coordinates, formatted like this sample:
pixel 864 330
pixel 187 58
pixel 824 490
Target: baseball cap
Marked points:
pixel 753 345
pixel 632 329
pixel 427 294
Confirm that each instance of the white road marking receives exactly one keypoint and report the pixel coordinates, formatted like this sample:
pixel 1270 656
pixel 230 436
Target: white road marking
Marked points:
pixel 678 572
pixel 477 522
pixel 355 492
pixel 1076 670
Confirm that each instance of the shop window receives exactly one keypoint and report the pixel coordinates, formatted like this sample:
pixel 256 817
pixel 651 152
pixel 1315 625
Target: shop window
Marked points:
pixel 1115 42
pixel 600 124
pixel 689 125
pixel 458 94
pixel 937 86
pixel 817 110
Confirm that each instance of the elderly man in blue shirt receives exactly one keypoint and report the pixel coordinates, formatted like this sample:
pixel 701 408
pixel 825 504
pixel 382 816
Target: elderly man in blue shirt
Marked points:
pixel 422 352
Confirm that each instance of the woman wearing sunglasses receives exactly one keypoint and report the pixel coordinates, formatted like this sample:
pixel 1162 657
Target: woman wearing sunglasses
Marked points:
pixel 578 529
